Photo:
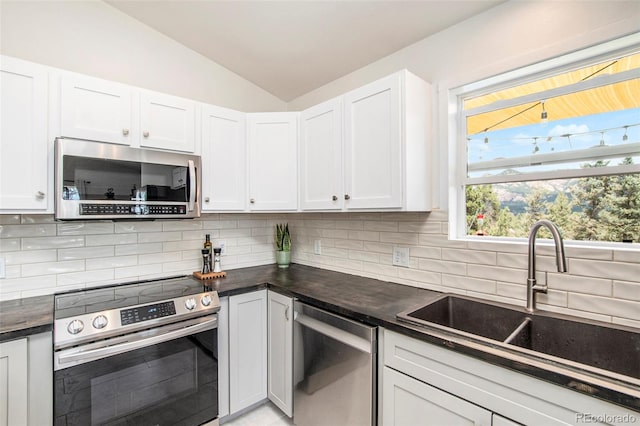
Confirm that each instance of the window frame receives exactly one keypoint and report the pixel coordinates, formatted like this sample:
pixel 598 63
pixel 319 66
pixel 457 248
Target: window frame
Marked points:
pixel 457 137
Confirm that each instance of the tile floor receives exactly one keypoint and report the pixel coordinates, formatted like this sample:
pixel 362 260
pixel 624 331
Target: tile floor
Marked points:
pixel 264 415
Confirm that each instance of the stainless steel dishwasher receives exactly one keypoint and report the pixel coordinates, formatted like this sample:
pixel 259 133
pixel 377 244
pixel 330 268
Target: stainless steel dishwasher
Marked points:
pixel 334 369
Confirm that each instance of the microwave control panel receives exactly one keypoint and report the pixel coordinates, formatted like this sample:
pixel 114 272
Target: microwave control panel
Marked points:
pixel 130 209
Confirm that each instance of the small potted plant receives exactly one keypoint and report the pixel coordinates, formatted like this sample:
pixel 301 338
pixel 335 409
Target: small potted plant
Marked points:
pixel 283 245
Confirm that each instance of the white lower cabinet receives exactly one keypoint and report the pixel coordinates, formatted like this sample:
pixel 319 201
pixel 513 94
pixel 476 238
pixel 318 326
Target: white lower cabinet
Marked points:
pixel 280 351
pixel 26 381
pixel 14 400
pixel 409 402
pixel 427 384
pixel 247 349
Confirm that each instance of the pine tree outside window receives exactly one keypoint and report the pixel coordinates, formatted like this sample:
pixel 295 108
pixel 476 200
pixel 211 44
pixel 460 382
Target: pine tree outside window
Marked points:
pixel 558 140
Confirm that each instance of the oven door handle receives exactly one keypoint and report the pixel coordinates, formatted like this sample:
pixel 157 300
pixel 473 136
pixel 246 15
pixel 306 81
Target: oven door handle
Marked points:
pixel 103 352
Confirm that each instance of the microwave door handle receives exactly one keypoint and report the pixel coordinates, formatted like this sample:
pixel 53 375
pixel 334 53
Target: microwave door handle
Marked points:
pixel 192 185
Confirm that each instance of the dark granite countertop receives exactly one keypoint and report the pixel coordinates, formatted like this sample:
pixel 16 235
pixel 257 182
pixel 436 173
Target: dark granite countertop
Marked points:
pixel 364 299
pixel 24 317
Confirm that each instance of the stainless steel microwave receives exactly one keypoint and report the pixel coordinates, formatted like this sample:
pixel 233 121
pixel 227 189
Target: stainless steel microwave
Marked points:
pixel 105 181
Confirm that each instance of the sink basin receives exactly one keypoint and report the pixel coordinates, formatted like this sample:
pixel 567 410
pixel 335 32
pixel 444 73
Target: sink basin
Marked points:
pixel 468 315
pixel 600 345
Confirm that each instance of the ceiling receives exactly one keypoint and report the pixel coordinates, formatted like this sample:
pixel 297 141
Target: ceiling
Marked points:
pixel 289 48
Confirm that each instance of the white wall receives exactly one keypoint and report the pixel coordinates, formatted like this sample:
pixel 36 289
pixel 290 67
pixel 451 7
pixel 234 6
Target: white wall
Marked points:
pixel 94 38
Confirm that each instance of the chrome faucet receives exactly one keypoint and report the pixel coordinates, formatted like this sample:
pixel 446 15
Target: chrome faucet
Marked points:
pixel 561 260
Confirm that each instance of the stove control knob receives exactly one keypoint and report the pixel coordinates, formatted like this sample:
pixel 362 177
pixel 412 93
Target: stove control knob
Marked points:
pixel 190 303
pixel 75 326
pixel 100 322
pixel 206 300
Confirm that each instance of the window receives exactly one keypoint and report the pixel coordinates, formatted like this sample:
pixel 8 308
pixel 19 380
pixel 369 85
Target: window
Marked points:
pixel 558 140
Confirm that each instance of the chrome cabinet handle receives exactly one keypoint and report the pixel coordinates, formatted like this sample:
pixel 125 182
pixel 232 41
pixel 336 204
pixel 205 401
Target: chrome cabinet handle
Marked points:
pixel 145 134
pixel 347 196
pixel 334 198
pixel 40 195
pixel 206 199
pixel 252 201
pixel 286 313
pixel 125 132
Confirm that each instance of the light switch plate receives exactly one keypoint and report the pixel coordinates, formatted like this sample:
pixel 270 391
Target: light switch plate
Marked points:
pixel 401 256
pixel 317 247
pixel 3 268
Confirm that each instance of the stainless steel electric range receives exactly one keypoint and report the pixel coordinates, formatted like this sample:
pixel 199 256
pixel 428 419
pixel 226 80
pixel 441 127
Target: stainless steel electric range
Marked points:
pixel 142 353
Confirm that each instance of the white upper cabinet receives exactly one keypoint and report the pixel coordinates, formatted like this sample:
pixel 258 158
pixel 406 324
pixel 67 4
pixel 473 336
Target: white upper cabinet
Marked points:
pixel 372 155
pixel 96 109
pixel 23 138
pixel 100 110
pixel 369 149
pixel 224 161
pixel 167 122
pixel 273 172
pixel 321 180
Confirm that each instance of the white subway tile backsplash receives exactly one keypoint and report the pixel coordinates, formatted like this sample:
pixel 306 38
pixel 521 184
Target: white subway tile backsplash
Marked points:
pixel 52 268
pixel 9 244
pixel 601 283
pixel 33 256
pixel 605 305
pixel 135 227
pixel 626 290
pixel 349 244
pixel 469 256
pixel 53 242
pixel 85 253
pixel 182 225
pixel 109 240
pixel 18 231
pixel 594 268
pixel 85 228
pixel 154 237
pixel 399 238
pixel 124 250
pixel 111 262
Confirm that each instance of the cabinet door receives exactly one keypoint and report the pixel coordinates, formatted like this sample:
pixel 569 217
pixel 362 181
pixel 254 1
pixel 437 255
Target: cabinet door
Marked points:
pixel 223 358
pixel 13 383
pixel 247 349
pixel 373 145
pixel 167 122
pixel 321 157
pixel 406 401
pixel 273 174
pixel 23 135
pixel 223 159
pixel 280 351
pixel 96 110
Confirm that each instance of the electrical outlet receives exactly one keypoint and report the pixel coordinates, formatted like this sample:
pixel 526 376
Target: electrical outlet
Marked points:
pixel 401 256
pixel 3 268
pixel 223 246
pixel 317 247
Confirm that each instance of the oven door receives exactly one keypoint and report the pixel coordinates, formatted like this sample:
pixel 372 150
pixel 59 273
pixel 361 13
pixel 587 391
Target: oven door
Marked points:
pixel 165 376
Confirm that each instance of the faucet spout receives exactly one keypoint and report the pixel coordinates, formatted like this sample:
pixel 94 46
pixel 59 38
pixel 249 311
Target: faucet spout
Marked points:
pixel 561 260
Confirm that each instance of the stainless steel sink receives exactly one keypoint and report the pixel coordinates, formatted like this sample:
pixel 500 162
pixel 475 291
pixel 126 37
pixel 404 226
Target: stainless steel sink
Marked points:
pixel 468 315
pixel 599 345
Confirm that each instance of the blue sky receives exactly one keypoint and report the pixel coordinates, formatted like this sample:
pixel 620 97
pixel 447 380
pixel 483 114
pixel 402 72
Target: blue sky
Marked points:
pixel 519 141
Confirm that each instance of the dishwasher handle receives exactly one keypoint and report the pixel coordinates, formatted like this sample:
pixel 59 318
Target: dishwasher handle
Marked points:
pixel 335 333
